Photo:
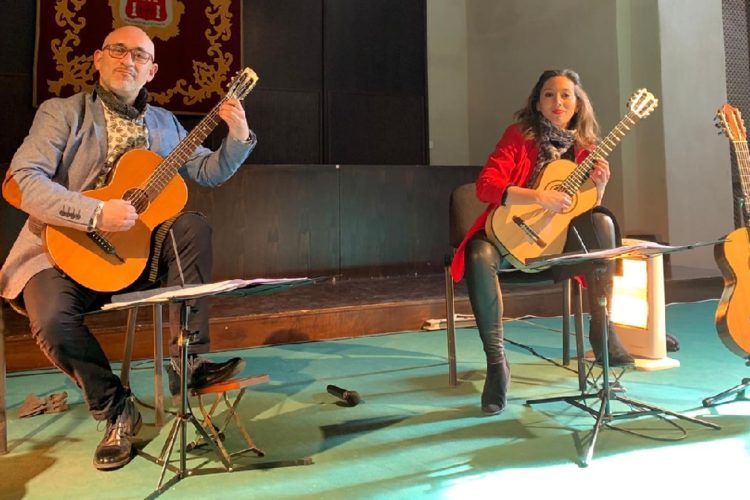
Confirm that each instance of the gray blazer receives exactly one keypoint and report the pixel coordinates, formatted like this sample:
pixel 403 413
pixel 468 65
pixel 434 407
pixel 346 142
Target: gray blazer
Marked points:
pixel 63 155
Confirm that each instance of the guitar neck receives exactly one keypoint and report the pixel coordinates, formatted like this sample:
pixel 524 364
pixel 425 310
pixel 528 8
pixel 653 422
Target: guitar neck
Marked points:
pixel 575 180
pixel 743 163
pixel 168 168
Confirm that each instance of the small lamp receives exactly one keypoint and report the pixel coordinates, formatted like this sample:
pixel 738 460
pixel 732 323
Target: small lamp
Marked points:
pixel 637 311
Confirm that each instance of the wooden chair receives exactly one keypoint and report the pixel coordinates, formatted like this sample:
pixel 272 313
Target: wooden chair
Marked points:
pixel 463 211
pixel 127 358
pixel 3 416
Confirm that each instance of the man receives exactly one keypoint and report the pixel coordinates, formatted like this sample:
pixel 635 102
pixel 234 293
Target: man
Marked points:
pixel 72 146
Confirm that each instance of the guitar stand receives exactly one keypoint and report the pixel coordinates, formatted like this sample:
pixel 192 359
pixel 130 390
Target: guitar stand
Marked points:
pixel 611 392
pixel 739 389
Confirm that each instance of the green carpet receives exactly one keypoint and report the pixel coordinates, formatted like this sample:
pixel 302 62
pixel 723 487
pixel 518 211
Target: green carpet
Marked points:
pixel 413 436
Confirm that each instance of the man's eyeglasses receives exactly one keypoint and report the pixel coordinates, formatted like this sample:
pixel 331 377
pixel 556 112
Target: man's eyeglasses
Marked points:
pixel 118 51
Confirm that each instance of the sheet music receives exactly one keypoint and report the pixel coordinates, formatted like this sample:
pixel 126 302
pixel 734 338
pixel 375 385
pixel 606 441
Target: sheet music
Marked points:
pixel 189 291
pixel 642 248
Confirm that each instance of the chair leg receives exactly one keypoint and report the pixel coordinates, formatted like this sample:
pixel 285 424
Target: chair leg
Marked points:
pixel 158 366
pixel 3 416
pixel 127 356
pixel 218 432
pixel 236 417
pixel 209 425
pixel 450 316
pixel 578 318
pixel 566 322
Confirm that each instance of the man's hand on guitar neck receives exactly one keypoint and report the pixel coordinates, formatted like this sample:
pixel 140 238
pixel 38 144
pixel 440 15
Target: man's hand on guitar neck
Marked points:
pixel 116 215
pixel 233 114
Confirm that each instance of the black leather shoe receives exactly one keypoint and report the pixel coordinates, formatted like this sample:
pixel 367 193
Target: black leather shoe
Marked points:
pixel 673 345
pixel 116 449
pixel 202 372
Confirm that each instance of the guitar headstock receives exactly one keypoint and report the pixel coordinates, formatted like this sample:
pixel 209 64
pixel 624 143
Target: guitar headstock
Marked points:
pixel 729 120
pixel 242 84
pixel 642 103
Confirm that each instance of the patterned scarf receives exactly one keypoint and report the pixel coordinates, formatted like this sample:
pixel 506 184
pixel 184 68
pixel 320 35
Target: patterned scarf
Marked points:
pixel 115 104
pixel 126 128
pixel 553 144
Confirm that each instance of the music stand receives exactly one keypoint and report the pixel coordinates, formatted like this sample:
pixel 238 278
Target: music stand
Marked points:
pixel 604 415
pixel 739 389
pixel 182 295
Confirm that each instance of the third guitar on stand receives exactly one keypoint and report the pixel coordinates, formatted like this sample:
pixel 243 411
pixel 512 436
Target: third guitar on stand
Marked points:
pixel 110 261
pixel 733 254
pixel 527 231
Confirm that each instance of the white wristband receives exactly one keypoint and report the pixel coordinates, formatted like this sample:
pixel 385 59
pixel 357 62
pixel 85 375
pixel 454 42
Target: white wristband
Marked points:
pixel 95 217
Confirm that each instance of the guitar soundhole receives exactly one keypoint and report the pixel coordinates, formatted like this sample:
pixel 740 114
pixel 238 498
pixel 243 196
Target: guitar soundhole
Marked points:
pixel 137 198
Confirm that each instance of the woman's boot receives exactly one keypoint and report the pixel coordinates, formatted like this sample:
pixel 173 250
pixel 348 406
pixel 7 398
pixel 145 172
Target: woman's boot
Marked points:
pixel 600 284
pixel 618 355
pixel 482 265
pixel 496 387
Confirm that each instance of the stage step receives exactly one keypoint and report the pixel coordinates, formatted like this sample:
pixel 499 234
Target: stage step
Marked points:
pixel 326 310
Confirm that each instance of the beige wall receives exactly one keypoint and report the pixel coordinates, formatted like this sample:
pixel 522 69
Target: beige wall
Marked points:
pixel 643 185
pixel 698 187
pixel 446 60
pixel 670 176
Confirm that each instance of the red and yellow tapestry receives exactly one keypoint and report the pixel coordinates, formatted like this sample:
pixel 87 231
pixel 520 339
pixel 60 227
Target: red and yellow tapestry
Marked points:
pixel 198 45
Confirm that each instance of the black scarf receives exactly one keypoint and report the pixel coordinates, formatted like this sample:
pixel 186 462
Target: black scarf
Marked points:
pixel 116 105
pixel 553 143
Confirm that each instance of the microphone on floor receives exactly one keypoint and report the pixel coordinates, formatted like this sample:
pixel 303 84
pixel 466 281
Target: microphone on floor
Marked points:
pixel 351 397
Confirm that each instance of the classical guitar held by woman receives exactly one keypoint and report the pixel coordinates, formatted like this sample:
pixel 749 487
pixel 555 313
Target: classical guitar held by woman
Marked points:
pixel 733 254
pixel 107 262
pixel 523 232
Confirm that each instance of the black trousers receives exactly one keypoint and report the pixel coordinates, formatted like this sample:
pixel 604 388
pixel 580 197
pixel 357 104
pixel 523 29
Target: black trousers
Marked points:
pixel 597 230
pixel 56 306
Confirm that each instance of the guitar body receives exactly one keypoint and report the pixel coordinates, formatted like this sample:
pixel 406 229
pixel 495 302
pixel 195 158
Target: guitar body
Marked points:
pixel 527 231
pixel 733 313
pixel 75 252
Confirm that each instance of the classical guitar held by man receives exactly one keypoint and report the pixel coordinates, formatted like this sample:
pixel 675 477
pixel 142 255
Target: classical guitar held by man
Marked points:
pixel 110 261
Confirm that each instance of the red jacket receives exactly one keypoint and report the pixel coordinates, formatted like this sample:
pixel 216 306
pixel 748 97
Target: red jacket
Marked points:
pixel 510 164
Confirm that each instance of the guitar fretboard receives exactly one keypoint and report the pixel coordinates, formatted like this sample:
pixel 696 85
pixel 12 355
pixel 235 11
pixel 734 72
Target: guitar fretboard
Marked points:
pixel 743 162
pixel 169 167
pixel 578 176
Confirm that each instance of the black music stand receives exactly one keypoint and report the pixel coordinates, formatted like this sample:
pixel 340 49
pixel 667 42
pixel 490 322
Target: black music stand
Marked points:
pixel 607 393
pixel 739 389
pixel 184 416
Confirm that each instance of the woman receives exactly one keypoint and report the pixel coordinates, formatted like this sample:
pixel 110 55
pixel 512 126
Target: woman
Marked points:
pixel 557 123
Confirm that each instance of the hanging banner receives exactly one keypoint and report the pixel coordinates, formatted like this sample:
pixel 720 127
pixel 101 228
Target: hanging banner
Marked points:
pixel 198 45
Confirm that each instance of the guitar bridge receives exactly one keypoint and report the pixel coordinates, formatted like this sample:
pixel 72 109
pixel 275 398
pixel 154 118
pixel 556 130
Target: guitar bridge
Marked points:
pixel 105 245
pixel 529 232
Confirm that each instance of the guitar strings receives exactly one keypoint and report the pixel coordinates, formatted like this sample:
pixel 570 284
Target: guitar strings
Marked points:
pixel 573 182
pixel 743 161
pixel 168 168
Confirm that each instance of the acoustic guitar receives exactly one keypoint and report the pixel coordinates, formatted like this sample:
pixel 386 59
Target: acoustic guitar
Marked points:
pixel 733 254
pixel 110 261
pixel 523 232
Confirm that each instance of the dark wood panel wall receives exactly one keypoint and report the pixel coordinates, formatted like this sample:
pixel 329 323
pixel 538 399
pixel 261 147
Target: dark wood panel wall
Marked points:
pixel 351 220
